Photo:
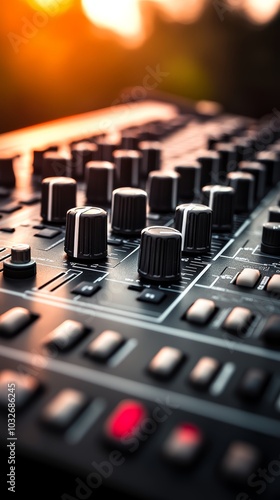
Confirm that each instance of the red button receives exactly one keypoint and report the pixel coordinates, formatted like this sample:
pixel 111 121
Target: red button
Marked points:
pixel 125 421
pixel 184 444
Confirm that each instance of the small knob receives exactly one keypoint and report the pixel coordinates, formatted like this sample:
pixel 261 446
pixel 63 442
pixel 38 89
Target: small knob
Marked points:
pixel 244 185
pixel 20 265
pixel 162 189
pixel 151 157
pixel 189 181
pixel 129 209
pixel 244 148
pixel 55 164
pixel 221 201
pixel 58 196
pixel 86 233
pixel 38 158
pixel 127 165
pixel 194 221
pixel 210 167
pixel 99 179
pixel 7 175
pixel 258 170
pixel 271 238
pixel 160 254
pixel 82 153
pixel 130 139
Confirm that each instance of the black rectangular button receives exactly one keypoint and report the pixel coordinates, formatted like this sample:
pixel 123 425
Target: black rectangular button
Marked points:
pixel 166 362
pixel 48 233
pixel 183 445
pixel 14 320
pixel 204 372
pixel 253 383
pixel 240 460
pixel 64 408
pixel 105 345
pixel 66 335
pixel 86 289
pixel 151 296
pixel 10 208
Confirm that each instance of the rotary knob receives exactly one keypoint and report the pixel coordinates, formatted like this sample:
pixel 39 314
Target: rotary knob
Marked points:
pixel 162 189
pixel 82 153
pixel 210 167
pixel 20 265
pixel 129 209
pixel 258 170
pixel 160 254
pixel 221 201
pixel 151 156
pixel 271 238
pixel 244 185
pixel 127 165
pixel 194 221
pixel 99 178
pixel 86 233
pixel 189 181
pixel 58 196
pixel 55 164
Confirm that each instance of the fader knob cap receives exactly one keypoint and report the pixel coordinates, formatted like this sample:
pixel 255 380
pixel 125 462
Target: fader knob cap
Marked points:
pixel 86 233
pixel 160 254
pixel 271 238
pixel 58 196
pixel 128 214
pixel 194 221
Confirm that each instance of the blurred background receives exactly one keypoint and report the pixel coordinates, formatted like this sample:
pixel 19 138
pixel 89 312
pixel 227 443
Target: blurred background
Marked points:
pixel 62 57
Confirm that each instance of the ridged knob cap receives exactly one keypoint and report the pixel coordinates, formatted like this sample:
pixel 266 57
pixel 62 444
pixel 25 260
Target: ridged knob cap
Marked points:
pixel 271 238
pixel 127 165
pixel 244 185
pixel 86 233
pixel 162 188
pixel 221 201
pixel 58 196
pixel 99 179
pixel 129 209
pixel 160 254
pixel 194 221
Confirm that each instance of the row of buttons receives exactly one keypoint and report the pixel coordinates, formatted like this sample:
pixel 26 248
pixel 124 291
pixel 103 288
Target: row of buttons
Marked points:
pixel 249 277
pixel 163 365
pixel 237 322
pixel 183 446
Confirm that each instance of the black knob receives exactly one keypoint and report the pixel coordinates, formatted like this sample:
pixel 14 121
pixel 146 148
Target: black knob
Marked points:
pixel 221 201
pixel 82 153
pixel 58 196
pixel 106 147
pixel 127 165
pixel 274 214
pixel 38 158
pixel 56 164
pixel 86 233
pixel 129 209
pixel 151 157
pixel 20 265
pixel 99 179
pixel 272 164
pixel 210 167
pixel 228 158
pixel 194 221
pixel 258 170
pixel 189 181
pixel 160 254
pixel 7 175
pixel 244 185
pixel 244 148
pixel 162 188
pixel 271 238
pixel 130 139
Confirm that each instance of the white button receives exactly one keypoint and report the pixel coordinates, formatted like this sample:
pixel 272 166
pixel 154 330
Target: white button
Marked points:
pixel 274 284
pixel 248 278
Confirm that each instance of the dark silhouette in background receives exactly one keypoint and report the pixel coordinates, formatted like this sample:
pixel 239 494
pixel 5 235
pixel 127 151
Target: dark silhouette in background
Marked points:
pixel 69 66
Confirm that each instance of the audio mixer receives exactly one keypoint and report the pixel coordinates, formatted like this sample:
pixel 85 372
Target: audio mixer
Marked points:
pixel 139 313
